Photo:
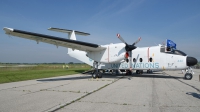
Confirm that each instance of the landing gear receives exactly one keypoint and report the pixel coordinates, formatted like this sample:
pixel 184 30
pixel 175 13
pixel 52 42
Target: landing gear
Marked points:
pixel 99 75
pixel 96 73
pixel 189 74
pixel 139 71
pixel 149 71
pixel 128 72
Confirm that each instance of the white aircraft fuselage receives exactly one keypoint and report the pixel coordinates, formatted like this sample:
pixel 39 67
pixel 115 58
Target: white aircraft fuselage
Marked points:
pixel 143 58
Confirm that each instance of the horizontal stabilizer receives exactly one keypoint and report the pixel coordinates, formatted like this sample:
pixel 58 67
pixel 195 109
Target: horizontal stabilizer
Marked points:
pixel 68 31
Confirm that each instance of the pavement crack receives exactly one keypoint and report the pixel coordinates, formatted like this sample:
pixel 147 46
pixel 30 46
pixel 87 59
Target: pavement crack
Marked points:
pixel 44 89
pixel 109 103
pixel 19 86
pixel 64 91
pixel 58 107
pixel 184 83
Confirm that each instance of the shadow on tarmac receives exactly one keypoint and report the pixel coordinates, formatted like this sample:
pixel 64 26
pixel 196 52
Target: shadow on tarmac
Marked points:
pixel 89 76
pixel 194 94
pixel 157 76
pixel 67 78
pixel 152 75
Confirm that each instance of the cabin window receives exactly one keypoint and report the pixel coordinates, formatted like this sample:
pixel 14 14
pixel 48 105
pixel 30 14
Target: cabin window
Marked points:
pixel 127 60
pixel 150 59
pixel 134 60
pixel 140 59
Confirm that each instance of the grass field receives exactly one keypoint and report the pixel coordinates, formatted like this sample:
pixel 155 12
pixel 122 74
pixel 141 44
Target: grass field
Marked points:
pixel 13 73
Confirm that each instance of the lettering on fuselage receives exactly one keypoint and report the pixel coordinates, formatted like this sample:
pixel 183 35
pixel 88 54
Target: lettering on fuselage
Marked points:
pixel 90 59
pixel 135 65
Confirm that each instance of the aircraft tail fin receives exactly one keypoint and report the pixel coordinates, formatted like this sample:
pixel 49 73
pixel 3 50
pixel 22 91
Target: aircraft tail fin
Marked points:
pixel 71 34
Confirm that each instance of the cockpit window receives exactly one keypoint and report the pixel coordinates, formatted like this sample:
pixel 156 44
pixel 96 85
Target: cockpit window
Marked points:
pixel 178 52
pixel 172 51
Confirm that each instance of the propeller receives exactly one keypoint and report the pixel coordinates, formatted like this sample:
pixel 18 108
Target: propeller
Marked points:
pixel 129 49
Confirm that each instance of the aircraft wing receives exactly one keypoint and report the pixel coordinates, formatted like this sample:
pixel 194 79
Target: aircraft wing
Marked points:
pixel 74 44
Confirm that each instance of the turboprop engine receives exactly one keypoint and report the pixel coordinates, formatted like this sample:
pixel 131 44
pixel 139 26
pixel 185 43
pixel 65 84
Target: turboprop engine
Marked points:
pixel 129 48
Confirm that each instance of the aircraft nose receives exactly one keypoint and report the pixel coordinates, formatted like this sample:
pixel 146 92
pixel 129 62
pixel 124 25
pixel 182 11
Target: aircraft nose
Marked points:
pixel 191 61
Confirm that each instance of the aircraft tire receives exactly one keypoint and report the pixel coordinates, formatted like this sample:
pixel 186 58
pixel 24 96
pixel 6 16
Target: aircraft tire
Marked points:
pixel 137 71
pixel 188 76
pixel 94 75
pixel 129 72
pixel 141 71
pixel 99 75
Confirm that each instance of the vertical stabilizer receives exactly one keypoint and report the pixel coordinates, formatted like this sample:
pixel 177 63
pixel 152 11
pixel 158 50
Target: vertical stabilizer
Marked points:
pixel 71 36
pixel 80 55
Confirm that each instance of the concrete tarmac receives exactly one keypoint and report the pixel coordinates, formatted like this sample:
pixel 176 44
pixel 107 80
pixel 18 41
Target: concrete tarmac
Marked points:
pixel 158 92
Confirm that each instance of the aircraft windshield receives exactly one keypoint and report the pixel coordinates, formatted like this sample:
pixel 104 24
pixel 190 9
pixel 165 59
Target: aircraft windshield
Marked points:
pixel 172 51
pixel 178 52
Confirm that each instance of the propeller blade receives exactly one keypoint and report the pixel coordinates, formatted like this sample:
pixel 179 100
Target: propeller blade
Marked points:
pixel 137 41
pixel 119 36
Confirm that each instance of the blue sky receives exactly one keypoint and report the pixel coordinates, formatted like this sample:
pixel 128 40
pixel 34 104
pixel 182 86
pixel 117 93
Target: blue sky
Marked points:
pixel 153 20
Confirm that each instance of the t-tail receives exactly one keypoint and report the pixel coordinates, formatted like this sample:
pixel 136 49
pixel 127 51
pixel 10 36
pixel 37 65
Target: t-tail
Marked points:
pixel 80 55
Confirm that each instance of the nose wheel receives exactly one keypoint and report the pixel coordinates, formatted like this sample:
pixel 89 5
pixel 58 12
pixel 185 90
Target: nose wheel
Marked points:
pixel 189 74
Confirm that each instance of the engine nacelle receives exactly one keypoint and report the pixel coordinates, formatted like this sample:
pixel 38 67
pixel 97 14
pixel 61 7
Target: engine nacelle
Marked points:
pixel 114 53
pixel 115 58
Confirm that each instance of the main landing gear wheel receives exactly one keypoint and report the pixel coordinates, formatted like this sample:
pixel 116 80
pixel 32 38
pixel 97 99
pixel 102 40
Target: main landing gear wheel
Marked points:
pixel 139 71
pixel 94 75
pixel 99 75
pixel 149 71
pixel 128 72
pixel 188 76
